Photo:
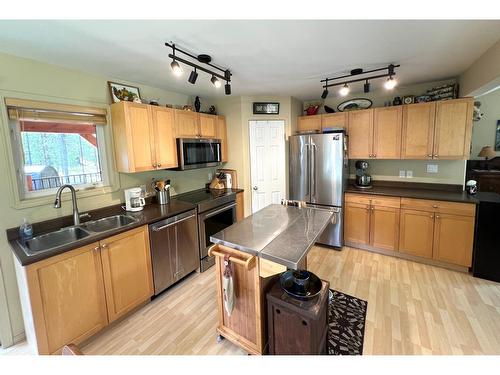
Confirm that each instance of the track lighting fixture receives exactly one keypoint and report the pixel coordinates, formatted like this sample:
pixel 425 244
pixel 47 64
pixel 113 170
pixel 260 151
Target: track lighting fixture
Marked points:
pixel 345 80
pixel 215 81
pixel 176 68
pixel 344 91
pixel 366 87
pixel 207 67
pixel 390 83
pixel 193 76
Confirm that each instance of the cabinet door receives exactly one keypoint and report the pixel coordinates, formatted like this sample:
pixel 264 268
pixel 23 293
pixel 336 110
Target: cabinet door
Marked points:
pixel 418 131
pixel 164 137
pixel 208 126
pixel 384 227
pixel 416 233
pixel 126 263
pixel 357 223
pixel 334 120
pixel 360 134
pixel 453 239
pixel 139 135
pixel 222 135
pixel 387 123
pixel 240 207
pixel 186 124
pixel 453 129
pixel 67 298
pixel 309 123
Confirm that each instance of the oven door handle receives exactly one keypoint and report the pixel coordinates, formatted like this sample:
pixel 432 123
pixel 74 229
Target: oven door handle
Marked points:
pixel 157 229
pixel 210 214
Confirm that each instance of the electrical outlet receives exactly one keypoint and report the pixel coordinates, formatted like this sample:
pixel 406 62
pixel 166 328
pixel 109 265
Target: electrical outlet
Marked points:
pixel 209 176
pixel 432 168
pixel 409 174
pixel 402 173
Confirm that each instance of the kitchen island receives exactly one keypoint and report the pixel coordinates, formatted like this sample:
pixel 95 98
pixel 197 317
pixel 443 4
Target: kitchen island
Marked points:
pixel 260 247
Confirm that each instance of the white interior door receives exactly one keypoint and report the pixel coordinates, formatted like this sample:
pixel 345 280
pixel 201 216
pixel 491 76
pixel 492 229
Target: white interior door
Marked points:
pixel 267 162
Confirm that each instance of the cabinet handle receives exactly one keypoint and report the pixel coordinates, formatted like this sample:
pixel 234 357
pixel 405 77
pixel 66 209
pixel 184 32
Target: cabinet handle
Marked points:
pixel 158 165
pixel 437 216
pixel 154 165
pixel 429 156
pixel 368 208
pixel 104 246
pixel 374 155
pixel 434 206
pixel 97 248
pixel 435 155
pixel 432 216
pixel 372 208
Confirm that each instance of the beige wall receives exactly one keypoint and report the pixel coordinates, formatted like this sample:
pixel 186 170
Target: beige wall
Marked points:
pixel 484 130
pixel 39 81
pixel 483 75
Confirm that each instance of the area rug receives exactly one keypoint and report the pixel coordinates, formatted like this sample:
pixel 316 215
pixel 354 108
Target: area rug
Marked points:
pixel 346 324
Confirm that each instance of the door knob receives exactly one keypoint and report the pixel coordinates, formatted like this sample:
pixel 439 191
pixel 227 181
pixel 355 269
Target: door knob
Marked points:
pixel 255 188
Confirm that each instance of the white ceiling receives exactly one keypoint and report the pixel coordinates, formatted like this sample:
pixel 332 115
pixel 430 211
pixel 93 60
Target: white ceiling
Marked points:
pixel 265 57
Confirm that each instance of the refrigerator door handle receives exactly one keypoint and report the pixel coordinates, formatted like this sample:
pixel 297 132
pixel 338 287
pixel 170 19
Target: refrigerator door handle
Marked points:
pixel 308 162
pixel 313 170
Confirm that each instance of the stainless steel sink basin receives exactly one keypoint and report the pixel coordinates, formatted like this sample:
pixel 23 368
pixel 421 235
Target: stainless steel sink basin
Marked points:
pixel 109 223
pixel 53 240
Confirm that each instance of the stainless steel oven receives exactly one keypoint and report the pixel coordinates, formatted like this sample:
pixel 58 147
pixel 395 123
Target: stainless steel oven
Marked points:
pixel 209 223
pixel 198 153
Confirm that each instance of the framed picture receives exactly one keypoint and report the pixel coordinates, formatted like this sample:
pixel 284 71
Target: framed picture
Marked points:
pixel 497 137
pixel 266 108
pixel 120 92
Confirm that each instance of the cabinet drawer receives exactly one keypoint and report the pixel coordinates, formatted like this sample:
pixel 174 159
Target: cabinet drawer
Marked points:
pixel 358 198
pixel 466 209
pixel 394 202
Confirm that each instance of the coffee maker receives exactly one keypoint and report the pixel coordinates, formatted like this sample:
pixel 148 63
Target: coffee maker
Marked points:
pixel 133 199
pixel 363 179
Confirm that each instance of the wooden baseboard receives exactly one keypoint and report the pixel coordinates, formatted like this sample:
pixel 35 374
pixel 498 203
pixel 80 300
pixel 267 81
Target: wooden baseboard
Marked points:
pixel 413 258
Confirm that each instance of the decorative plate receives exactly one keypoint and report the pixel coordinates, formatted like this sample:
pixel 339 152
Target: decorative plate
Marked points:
pixel 353 104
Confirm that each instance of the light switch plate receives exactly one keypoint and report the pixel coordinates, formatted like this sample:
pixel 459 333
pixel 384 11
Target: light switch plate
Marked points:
pixel 402 173
pixel 432 168
pixel 409 174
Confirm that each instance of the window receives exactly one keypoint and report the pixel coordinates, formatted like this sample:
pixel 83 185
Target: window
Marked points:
pixel 54 147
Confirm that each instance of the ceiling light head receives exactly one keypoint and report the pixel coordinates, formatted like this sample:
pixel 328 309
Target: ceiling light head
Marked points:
pixel 390 83
pixel 176 68
pixel 227 88
pixel 215 81
pixel 344 91
pixel 193 76
pixel 366 87
pixel 324 94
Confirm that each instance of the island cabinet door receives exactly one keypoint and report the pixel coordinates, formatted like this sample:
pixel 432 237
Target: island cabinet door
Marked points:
pixel 357 223
pixel 67 298
pixel 384 227
pixel 453 239
pixel 126 262
pixel 416 233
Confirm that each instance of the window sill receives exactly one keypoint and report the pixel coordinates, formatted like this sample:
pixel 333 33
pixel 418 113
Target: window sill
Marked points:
pixel 49 199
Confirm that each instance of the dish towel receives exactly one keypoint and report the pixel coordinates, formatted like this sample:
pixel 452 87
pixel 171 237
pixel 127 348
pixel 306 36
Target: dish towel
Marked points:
pixel 228 286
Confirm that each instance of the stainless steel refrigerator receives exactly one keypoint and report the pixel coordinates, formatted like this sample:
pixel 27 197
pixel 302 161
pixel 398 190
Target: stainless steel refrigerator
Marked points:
pixel 318 176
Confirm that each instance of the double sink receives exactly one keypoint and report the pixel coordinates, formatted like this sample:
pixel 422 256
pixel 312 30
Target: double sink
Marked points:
pixel 65 236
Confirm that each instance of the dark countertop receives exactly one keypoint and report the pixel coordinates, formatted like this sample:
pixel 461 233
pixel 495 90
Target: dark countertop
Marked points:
pixel 151 213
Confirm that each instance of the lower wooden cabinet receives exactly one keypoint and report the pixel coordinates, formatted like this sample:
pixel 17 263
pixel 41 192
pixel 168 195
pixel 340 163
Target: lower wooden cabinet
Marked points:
pixel 384 227
pixel 74 295
pixel 126 264
pixel 453 239
pixel 417 231
pixel 357 223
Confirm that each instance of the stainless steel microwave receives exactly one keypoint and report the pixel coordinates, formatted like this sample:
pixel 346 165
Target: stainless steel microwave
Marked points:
pixel 198 153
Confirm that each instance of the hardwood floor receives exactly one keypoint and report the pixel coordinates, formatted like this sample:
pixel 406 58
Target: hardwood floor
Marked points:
pixel 412 309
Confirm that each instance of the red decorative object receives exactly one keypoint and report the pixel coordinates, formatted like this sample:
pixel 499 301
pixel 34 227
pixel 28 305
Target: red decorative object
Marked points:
pixel 312 110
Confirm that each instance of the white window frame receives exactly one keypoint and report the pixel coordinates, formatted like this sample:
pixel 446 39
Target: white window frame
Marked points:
pixel 111 180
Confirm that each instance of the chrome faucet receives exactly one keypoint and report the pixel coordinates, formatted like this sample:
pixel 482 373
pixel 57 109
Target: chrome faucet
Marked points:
pixel 57 203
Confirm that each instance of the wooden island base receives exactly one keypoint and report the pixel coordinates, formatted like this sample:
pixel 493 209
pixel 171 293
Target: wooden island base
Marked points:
pixel 252 276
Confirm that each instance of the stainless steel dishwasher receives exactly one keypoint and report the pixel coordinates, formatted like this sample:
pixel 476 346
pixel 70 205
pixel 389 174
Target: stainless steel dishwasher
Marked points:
pixel 174 249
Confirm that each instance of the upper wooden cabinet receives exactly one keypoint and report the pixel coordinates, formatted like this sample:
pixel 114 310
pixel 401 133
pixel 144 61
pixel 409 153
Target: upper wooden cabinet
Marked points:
pixel 187 124
pixel 143 136
pixel 208 126
pixel 334 120
pixel 418 131
pixel 360 131
pixel 387 123
pixel 222 135
pixel 453 129
pixel 309 123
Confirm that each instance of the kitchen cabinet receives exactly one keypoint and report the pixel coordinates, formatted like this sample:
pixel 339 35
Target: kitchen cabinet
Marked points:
pixel 67 298
pixel 222 135
pixel 360 131
pixel 453 129
pixel 309 124
pixel 418 131
pixel 208 126
pixel 417 231
pixel 334 120
pixel 371 221
pixel 187 124
pixel 240 207
pixel 126 263
pixel 143 137
pixel 387 124
pixel 74 295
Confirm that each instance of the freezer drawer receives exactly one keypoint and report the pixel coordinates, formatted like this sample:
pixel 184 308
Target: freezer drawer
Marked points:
pixel 333 235
pixel 174 249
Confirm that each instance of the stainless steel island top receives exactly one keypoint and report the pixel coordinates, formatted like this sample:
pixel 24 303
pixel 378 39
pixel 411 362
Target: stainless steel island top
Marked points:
pixel 281 234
